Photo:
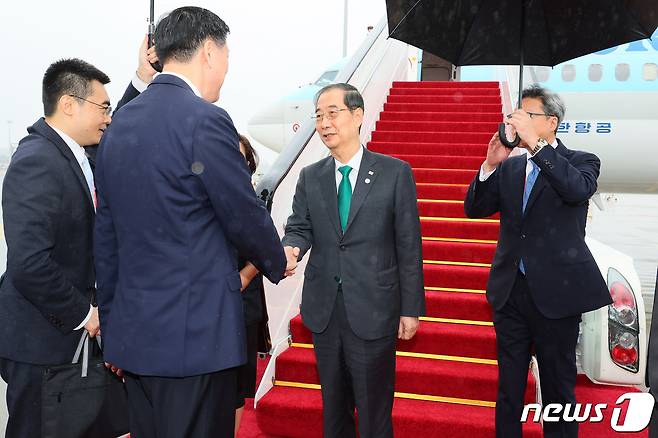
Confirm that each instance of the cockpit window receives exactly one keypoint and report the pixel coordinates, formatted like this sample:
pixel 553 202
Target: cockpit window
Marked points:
pixel 326 78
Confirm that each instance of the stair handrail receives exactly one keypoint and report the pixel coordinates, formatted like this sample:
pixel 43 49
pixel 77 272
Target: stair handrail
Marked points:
pixel 284 162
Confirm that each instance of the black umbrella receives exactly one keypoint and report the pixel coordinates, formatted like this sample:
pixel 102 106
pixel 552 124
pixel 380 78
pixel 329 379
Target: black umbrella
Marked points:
pixel 509 32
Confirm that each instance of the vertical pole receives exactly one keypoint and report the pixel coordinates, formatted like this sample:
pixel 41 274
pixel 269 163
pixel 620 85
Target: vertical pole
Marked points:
pixel 522 31
pixel 345 29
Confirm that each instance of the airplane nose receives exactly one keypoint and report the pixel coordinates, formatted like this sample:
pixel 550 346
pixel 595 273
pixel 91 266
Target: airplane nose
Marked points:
pixel 267 126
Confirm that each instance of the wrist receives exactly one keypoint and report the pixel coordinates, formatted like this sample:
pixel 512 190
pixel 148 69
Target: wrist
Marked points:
pixel 143 76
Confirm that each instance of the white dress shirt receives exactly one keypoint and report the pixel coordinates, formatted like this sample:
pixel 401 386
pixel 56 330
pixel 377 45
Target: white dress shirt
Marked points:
pixel 528 167
pixel 83 162
pixel 354 163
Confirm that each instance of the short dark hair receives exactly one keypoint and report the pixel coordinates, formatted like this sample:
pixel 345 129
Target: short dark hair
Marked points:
pixel 249 153
pixel 351 96
pixel 68 77
pixel 179 34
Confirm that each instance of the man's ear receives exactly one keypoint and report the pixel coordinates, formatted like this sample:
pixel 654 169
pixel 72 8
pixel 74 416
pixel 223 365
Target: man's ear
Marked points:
pixel 66 105
pixel 358 116
pixel 208 51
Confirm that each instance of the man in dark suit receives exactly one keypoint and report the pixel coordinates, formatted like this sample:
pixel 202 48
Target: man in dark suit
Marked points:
pixel 175 203
pixel 48 200
pixel 543 276
pixel 363 284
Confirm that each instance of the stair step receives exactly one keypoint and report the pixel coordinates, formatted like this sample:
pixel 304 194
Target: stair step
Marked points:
pixel 450 339
pixel 455 192
pixel 431 137
pixel 458 251
pixel 437 126
pixel 430 116
pixel 445 91
pixel 480 230
pixel 411 418
pixel 456 277
pixel 442 161
pixel 414 148
pixel 444 176
pixel 458 305
pixel 455 99
pixel 445 84
pixel 466 108
pixel 445 209
pixel 414 375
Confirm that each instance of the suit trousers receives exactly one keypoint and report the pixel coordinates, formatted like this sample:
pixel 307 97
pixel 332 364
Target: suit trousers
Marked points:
pixel 24 382
pixel 519 326
pixel 187 407
pixel 354 371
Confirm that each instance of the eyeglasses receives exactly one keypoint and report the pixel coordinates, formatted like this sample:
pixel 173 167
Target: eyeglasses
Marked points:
pixel 107 109
pixel 540 114
pixel 331 115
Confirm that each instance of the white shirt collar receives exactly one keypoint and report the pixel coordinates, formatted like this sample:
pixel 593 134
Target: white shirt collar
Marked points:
pixel 78 151
pixel 185 79
pixel 354 163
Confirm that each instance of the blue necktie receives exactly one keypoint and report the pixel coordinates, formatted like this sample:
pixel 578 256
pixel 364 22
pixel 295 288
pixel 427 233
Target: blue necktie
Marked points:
pixel 529 182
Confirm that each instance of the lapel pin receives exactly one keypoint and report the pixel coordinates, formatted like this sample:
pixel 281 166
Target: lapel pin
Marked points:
pixel 367 180
pixel 370 172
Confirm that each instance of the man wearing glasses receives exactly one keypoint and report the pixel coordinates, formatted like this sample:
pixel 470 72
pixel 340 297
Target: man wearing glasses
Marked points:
pixel 363 284
pixel 48 203
pixel 543 276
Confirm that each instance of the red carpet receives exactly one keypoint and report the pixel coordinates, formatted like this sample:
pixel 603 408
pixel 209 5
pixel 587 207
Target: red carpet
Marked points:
pixel 446 376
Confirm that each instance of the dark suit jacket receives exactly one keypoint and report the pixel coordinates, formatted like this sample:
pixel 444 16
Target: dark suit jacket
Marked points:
pixel 48 220
pixel 562 275
pixel 174 203
pixel 378 258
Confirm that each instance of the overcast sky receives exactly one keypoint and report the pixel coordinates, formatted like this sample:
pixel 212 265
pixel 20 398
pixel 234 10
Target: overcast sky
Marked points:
pixel 275 46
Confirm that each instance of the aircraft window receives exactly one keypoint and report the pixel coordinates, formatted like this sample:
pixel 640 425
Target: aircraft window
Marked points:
pixel 595 72
pixel 543 74
pixel 650 71
pixel 327 78
pixel 622 72
pixel 569 73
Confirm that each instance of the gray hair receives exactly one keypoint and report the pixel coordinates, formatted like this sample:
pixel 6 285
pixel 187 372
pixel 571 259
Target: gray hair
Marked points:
pixel 550 102
pixel 352 98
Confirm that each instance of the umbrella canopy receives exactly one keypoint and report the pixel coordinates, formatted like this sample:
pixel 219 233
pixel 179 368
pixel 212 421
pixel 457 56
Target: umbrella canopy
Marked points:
pixel 508 32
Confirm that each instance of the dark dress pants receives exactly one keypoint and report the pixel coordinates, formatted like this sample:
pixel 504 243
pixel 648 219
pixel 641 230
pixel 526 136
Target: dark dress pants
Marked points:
pixel 23 398
pixel 354 371
pixel 187 407
pixel 519 326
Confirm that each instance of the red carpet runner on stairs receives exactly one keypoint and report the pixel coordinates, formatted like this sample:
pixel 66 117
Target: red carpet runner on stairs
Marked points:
pixel 447 375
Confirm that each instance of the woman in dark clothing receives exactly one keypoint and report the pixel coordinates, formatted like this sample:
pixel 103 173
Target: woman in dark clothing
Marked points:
pixel 252 301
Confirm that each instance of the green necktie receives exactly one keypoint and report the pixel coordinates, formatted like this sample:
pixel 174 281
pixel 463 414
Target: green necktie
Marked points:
pixel 344 196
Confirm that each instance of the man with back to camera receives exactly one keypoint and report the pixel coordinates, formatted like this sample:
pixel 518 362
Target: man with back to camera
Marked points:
pixel 543 276
pixel 363 283
pixel 46 294
pixel 175 203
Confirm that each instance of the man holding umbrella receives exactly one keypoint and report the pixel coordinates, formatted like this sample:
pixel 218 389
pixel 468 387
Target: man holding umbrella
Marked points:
pixel 543 276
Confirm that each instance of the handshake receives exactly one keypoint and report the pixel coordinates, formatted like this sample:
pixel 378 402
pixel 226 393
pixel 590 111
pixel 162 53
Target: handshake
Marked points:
pixel 292 255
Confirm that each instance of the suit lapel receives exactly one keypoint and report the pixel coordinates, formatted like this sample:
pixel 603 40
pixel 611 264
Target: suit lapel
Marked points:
pixel 362 188
pixel 518 184
pixel 42 128
pixel 327 180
